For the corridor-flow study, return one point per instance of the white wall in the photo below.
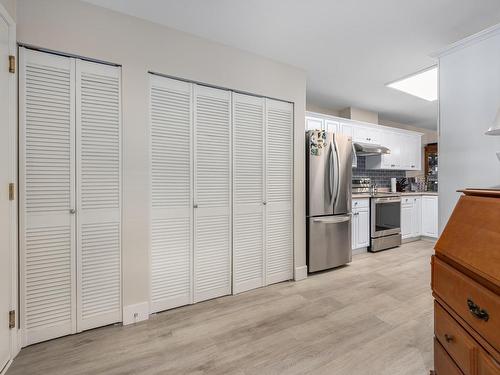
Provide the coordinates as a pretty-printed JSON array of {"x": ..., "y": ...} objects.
[
  {"x": 469, "y": 97},
  {"x": 78, "y": 28},
  {"x": 10, "y": 7}
]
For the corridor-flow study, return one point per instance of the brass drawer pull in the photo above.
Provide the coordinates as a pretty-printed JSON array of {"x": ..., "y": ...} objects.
[
  {"x": 479, "y": 313},
  {"x": 448, "y": 338}
]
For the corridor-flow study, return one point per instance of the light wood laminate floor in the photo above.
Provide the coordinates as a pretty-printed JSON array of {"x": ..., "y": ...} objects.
[{"x": 373, "y": 316}]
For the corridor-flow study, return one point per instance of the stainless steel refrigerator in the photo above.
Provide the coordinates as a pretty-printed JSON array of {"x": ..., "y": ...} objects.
[{"x": 329, "y": 170}]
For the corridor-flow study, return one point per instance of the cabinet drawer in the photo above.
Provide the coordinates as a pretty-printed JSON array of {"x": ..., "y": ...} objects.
[
  {"x": 443, "y": 364},
  {"x": 486, "y": 365},
  {"x": 478, "y": 306},
  {"x": 407, "y": 200},
  {"x": 360, "y": 203},
  {"x": 457, "y": 342}
]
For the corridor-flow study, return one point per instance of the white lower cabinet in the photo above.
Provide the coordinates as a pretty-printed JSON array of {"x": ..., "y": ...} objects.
[
  {"x": 419, "y": 216},
  {"x": 430, "y": 216},
  {"x": 360, "y": 223},
  {"x": 410, "y": 217}
]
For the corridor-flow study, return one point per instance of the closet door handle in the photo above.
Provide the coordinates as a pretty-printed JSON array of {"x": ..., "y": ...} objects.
[{"x": 72, "y": 211}]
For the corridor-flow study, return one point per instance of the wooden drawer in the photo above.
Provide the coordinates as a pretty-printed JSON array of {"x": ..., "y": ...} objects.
[
  {"x": 443, "y": 364},
  {"x": 486, "y": 365},
  {"x": 478, "y": 306},
  {"x": 457, "y": 342}
]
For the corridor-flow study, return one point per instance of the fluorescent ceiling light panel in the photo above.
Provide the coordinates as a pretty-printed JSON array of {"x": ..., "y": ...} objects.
[{"x": 422, "y": 84}]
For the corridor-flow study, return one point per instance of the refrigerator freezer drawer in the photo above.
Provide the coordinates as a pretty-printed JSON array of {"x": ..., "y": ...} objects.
[{"x": 329, "y": 242}]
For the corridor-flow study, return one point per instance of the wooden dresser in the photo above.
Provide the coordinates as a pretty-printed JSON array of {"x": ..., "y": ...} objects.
[{"x": 466, "y": 288}]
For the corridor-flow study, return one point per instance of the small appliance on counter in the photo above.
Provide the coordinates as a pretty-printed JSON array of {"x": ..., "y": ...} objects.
[
  {"x": 401, "y": 184},
  {"x": 328, "y": 204},
  {"x": 361, "y": 185}
]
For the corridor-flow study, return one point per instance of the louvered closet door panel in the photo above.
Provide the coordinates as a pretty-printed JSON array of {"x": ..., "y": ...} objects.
[
  {"x": 172, "y": 205},
  {"x": 248, "y": 192},
  {"x": 46, "y": 118},
  {"x": 212, "y": 230},
  {"x": 279, "y": 193},
  {"x": 98, "y": 162}
]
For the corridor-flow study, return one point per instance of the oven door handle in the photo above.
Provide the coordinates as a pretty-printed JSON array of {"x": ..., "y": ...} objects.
[{"x": 387, "y": 200}]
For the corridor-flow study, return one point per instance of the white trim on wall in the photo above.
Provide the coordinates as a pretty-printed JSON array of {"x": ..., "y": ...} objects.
[
  {"x": 15, "y": 333},
  {"x": 472, "y": 39}
]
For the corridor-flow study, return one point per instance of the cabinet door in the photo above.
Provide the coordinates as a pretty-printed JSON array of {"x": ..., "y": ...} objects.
[
  {"x": 279, "y": 191},
  {"x": 355, "y": 229},
  {"x": 392, "y": 141},
  {"x": 406, "y": 220},
  {"x": 248, "y": 193},
  {"x": 430, "y": 216},
  {"x": 98, "y": 165},
  {"x": 346, "y": 129},
  {"x": 212, "y": 194},
  {"x": 47, "y": 194},
  {"x": 365, "y": 134},
  {"x": 417, "y": 217},
  {"x": 363, "y": 232},
  {"x": 416, "y": 152},
  {"x": 171, "y": 193},
  {"x": 332, "y": 126},
  {"x": 314, "y": 123}
]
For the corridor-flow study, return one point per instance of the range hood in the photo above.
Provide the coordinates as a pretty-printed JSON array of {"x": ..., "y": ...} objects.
[{"x": 370, "y": 149}]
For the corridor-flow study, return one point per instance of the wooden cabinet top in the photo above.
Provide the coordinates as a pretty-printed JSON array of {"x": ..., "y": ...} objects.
[{"x": 471, "y": 237}]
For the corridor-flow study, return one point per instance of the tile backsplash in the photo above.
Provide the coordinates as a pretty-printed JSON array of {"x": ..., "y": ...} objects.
[{"x": 381, "y": 177}]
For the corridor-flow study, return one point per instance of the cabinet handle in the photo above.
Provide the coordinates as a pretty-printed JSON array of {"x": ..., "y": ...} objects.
[
  {"x": 478, "y": 312},
  {"x": 448, "y": 338}
]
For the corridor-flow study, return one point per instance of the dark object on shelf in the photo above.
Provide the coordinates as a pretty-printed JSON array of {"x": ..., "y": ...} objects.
[
  {"x": 431, "y": 166},
  {"x": 401, "y": 184}
]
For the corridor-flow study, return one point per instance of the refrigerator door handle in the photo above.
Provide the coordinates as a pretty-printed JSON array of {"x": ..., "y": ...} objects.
[
  {"x": 332, "y": 220},
  {"x": 330, "y": 172},
  {"x": 335, "y": 170}
]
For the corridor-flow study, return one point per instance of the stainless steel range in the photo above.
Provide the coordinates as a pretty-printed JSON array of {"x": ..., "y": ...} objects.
[{"x": 385, "y": 221}]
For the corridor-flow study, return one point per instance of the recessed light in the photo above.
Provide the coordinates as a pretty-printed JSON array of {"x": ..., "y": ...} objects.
[{"x": 422, "y": 84}]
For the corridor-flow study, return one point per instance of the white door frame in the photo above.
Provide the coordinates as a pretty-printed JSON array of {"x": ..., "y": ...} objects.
[{"x": 15, "y": 333}]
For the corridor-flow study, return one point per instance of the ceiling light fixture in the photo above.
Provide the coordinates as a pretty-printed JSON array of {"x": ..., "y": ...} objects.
[{"x": 422, "y": 84}]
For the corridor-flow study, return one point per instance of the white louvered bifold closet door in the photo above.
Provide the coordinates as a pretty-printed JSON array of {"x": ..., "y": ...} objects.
[
  {"x": 248, "y": 192},
  {"x": 171, "y": 189},
  {"x": 279, "y": 191},
  {"x": 47, "y": 232},
  {"x": 212, "y": 194},
  {"x": 98, "y": 163}
]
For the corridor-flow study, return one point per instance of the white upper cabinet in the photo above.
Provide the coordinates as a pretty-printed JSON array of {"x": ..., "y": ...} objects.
[
  {"x": 365, "y": 134},
  {"x": 346, "y": 129},
  {"x": 392, "y": 141},
  {"x": 405, "y": 145},
  {"x": 313, "y": 123},
  {"x": 332, "y": 126}
]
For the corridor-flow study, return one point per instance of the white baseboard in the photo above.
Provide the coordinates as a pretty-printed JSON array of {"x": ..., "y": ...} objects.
[
  {"x": 7, "y": 365},
  {"x": 361, "y": 250},
  {"x": 300, "y": 273},
  {"x": 135, "y": 313}
]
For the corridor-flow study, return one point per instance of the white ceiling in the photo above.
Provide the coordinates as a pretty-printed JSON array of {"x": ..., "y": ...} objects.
[{"x": 349, "y": 48}]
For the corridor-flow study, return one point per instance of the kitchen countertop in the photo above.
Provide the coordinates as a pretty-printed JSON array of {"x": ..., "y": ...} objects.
[{"x": 411, "y": 193}]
